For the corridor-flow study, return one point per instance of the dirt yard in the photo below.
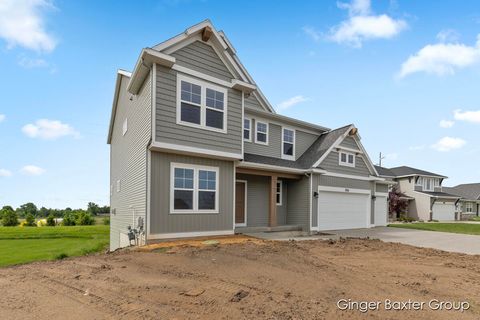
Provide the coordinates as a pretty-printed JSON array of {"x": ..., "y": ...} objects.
[{"x": 271, "y": 280}]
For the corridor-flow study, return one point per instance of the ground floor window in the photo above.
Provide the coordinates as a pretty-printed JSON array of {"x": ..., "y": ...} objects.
[
  {"x": 469, "y": 207},
  {"x": 279, "y": 193},
  {"x": 193, "y": 189}
]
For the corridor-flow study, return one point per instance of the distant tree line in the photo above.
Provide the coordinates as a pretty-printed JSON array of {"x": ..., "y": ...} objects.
[{"x": 30, "y": 212}]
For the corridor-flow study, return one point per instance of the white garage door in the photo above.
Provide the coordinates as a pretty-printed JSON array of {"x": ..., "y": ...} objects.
[
  {"x": 343, "y": 210},
  {"x": 443, "y": 211},
  {"x": 381, "y": 211}
]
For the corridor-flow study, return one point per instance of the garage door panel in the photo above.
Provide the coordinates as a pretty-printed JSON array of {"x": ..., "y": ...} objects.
[
  {"x": 443, "y": 211},
  {"x": 337, "y": 210}
]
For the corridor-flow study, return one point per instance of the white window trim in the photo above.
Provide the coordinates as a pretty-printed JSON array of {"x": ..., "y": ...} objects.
[
  {"x": 284, "y": 156},
  {"x": 469, "y": 207},
  {"x": 277, "y": 192},
  {"x": 125, "y": 126},
  {"x": 266, "y": 133},
  {"x": 249, "y": 130},
  {"x": 196, "y": 189},
  {"x": 203, "y": 103},
  {"x": 346, "y": 164}
]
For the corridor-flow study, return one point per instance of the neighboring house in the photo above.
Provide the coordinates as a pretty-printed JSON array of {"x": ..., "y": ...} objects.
[
  {"x": 197, "y": 150},
  {"x": 469, "y": 204},
  {"x": 423, "y": 190}
]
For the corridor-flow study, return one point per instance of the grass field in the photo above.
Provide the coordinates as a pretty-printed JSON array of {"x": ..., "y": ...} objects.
[
  {"x": 465, "y": 228},
  {"x": 26, "y": 244}
]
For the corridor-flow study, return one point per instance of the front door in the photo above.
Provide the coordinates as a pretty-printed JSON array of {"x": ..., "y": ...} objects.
[{"x": 240, "y": 203}]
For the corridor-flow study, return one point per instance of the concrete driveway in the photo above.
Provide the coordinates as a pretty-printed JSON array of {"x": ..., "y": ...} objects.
[{"x": 453, "y": 242}]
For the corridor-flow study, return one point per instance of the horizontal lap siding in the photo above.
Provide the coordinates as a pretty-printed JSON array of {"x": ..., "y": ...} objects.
[
  {"x": 202, "y": 58},
  {"x": 257, "y": 199},
  {"x": 128, "y": 159},
  {"x": 303, "y": 141},
  {"x": 167, "y": 129},
  {"x": 350, "y": 143},
  {"x": 330, "y": 163},
  {"x": 161, "y": 221},
  {"x": 299, "y": 198},
  {"x": 253, "y": 102},
  {"x": 382, "y": 188}
]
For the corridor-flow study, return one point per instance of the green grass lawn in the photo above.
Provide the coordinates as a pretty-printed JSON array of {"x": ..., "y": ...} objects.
[
  {"x": 464, "y": 228},
  {"x": 27, "y": 244}
]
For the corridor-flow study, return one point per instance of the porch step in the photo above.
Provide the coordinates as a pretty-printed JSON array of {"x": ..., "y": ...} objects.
[{"x": 268, "y": 229}]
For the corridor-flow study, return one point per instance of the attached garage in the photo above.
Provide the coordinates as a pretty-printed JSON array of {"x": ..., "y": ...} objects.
[
  {"x": 343, "y": 208},
  {"x": 380, "y": 210},
  {"x": 443, "y": 211}
]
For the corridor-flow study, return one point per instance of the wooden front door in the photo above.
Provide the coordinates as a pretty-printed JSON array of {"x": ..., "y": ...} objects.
[{"x": 240, "y": 208}]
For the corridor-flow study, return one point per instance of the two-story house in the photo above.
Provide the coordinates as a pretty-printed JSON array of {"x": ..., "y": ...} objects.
[
  {"x": 426, "y": 198},
  {"x": 197, "y": 150}
]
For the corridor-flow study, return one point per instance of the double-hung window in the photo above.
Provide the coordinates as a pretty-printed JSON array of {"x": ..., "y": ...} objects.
[
  {"x": 469, "y": 207},
  {"x": 428, "y": 184},
  {"x": 247, "y": 129},
  {"x": 346, "y": 159},
  {"x": 261, "y": 134},
  {"x": 201, "y": 104},
  {"x": 288, "y": 144},
  {"x": 193, "y": 189}
]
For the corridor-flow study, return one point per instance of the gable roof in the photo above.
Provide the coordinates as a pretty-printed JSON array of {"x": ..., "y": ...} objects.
[
  {"x": 120, "y": 73},
  {"x": 469, "y": 191},
  {"x": 405, "y": 171},
  {"x": 384, "y": 171}
]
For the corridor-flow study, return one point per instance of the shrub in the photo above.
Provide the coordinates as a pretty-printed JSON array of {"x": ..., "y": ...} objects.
[
  {"x": 106, "y": 221},
  {"x": 30, "y": 220},
  {"x": 51, "y": 220},
  {"x": 9, "y": 217},
  {"x": 475, "y": 219},
  {"x": 69, "y": 219},
  {"x": 84, "y": 219},
  {"x": 61, "y": 256}
]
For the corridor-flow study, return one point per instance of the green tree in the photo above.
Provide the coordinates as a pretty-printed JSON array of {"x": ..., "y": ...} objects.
[
  {"x": 30, "y": 220},
  {"x": 93, "y": 208},
  {"x": 27, "y": 208},
  {"x": 84, "y": 219},
  {"x": 9, "y": 217},
  {"x": 69, "y": 218},
  {"x": 43, "y": 212},
  {"x": 51, "y": 220}
]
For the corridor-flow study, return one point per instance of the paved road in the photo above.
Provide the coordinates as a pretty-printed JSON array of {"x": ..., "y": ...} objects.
[{"x": 461, "y": 243}]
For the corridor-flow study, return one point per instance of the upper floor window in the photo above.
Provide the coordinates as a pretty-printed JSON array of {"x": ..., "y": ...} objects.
[
  {"x": 428, "y": 184},
  {"x": 201, "y": 104},
  {"x": 194, "y": 189},
  {"x": 288, "y": 144},
  {"x": 346, "y": 159},
  {"x": 261, "y": 134},
  {"x": 247, "y": 129}
]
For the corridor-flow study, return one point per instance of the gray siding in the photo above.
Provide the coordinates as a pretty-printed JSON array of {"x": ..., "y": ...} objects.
[
  {"x": 128, "y": 160},
  {"x": 299, "y": 198},
  {"x": 382, "y": 188},
  {"x": 316, "y": 180},
  {"x": 253, "y": 102},
  {"x": 167, "y": 129},
  {"x": 257, "y": 199},
  {"x": 303, "y": 140},
  {"x": 201, "y": 57},
  {"x": 350, "y": 143},
  {"x": 161, "y": 221},
  {"x": 282, "y": 210},
  {"x": 330, "y": 163}
]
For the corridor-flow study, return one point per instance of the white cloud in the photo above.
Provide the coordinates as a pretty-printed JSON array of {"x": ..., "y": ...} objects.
[
  {"x": 312, "y": 33},
  {"x": 469, "y": 116},
  {"x": 2, "y": 117},
  {"x": 446, "y": 123},
  {"x": 442, "y": 58},
  {"x": 49, "y": 130},
  {"x": 448, "y": 144},
  {"x": 291, "y": 102},
  {"x": 29, "y": 63},
  {"x": 5, "y": 173},
  {"x": 31, "y": 170},
  {"x": 448, "y": 35},
  {"x": 22, "y": 23},
  {"x": 416, "y": 148},
  {"x": 362, "y": 25}
]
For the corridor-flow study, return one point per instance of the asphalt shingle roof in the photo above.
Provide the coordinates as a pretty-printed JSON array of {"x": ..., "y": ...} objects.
[
  {"x": 440, "y": 194},
  {"x": 384, "y": 171},
  {"x": 470, "y": 191},
  {"x": 407, "y": 171}
]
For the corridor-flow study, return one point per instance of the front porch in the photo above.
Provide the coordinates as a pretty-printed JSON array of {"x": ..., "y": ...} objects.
[{"x": 268, "y": 201}]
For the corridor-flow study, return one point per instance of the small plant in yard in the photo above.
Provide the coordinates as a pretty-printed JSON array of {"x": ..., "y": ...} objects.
[
  {"x": 69, "y": 219},
  {"x": 475, "y": 219},
  {"x": 51, "y": 220},
  {"x": 61, "y": 256},
  {"x": 84, "y": 219},
  {"x": 397, "y": 206},
  {"x": 30, "y": 220},
  {"x": 9, "y": 217},
  {"x": 106, "y": 221}
]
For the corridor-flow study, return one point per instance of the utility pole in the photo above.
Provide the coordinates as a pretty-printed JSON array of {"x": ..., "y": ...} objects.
[{"x": 380, "y": 158}]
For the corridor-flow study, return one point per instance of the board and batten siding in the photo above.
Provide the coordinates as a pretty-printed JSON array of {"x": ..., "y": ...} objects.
[
  {"x": 128, "y": 161},
  {"x": 299, "y": 198},
  {"x": 303, "y": 140},
  {"x": 168, "y": 131},
  {"x": 201, "y": 57},
  {"x": 350, "y": 143},
  {"x": 330, "y": 163},
  {"x": 162, "y": 221}
]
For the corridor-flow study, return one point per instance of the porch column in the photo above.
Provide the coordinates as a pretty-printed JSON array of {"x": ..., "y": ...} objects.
[{"x": 272, "y": 212}]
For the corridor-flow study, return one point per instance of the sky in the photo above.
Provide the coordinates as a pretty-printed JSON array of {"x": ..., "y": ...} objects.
[{"x": 406, "y": 73}]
